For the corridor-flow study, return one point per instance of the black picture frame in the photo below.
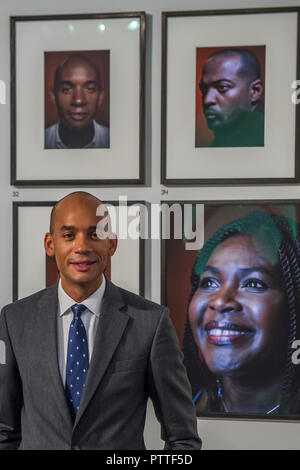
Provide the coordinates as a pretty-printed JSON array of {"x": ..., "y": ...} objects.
[
  {"x": 193, "y": 172},
  {"x": 136, "y": 176},
  {"x": 177, "y": 264},
  {"x": 41, "y": 264}
]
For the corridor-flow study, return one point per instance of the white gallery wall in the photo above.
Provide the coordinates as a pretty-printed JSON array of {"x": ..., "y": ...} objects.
[{"x": 216, "y": 434}]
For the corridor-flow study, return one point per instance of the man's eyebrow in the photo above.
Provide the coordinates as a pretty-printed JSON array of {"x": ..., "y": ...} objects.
[
  {"x": 222, "y": 80},
  {"x": 67, "y": 227},
  {"x": 66, "y": 82},
  {"x": 71, "y": 84},
  {"x": 93, "y": 83},
  {"x": 216, "y": 82}
]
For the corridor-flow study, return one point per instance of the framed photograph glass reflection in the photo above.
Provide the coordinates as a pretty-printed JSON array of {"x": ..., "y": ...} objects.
[
  {"x": 31, "y": 222},
  {"x": 228, "y": 103},
  {"x": 73, "y": 119},
  {"x": 230, "y": 276}
]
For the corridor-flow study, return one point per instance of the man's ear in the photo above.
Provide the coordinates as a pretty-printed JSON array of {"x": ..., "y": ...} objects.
[
  {"x": 256, "y": 91},
  {"x": 48, "y": 244},
  {"x": 113, "y": 243},
  {"x": 101, "y": 98},
  {"x": 52, "y": 97}
]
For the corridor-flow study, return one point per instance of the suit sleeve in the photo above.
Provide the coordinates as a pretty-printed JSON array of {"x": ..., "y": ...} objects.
[
  {"x": 170, "y": 389},
  {"x": 11, "y": 397}
]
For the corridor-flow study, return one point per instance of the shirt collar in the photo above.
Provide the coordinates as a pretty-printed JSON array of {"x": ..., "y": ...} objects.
[
  {"x": 60, "y": 144},
  {"x": 92, "y": 303}
]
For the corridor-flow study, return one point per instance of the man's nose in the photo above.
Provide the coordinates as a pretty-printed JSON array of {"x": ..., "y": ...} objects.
[
  {"x": 78, "y": 96},
  {"x": 81, "y": 243},
  {"x": 209, "y": 97},
  {"x": 225, "y": 300}
]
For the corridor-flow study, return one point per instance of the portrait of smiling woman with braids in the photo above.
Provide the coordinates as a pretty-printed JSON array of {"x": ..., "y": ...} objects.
[{"x": 242, "y": 319}]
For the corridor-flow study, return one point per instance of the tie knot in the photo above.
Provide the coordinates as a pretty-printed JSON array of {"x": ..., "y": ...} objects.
[{"x": 78, "y": 309}]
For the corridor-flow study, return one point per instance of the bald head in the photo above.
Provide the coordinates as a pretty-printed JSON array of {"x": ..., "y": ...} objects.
[
  {"x": 80, "y": 197},
  {"x": 73, "y": 62},
  {"x": 248, "y": 65}
]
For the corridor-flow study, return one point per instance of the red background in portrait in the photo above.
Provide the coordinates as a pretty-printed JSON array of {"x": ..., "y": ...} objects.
[
  {"x": 53, "y": 59},
  {"x": 204, "y": 135}
]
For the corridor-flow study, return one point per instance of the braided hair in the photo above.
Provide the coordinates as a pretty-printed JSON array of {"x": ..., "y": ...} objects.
[{"x": 282, "y": 235}]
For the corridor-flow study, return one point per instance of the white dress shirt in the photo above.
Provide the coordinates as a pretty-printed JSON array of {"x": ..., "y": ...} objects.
[{"x": 90, "y": 319}]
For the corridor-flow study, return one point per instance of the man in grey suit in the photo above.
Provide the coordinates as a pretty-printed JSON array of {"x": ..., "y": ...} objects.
[{"x": 83, "y": 356}]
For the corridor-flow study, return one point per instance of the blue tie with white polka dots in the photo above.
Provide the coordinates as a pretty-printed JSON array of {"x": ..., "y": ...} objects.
[{"x": 77, "y": 359}]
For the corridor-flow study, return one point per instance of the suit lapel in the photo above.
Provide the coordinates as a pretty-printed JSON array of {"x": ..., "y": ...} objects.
[
  {"x": 47, "y": 312},
  {"x": 112, "y": 323}
]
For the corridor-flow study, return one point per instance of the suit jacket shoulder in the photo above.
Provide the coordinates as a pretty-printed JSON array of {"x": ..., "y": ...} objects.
[
  {"x": 31, "y": 299},
  {"x": 22, "y": 313},
  {"x": 145, "y": 312}
]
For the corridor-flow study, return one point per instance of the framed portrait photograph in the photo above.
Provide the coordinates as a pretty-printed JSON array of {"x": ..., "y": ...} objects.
[
  {"x": 230, "y": 277},
  {"x": 30, "y": 224},
  {"x": 228, "y": 103},
  {"x": 73, "y": 120},
  {"x": 64, "y": 119}
]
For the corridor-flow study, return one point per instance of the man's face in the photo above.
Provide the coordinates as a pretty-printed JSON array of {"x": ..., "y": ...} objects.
[
  {"x": 77, "y": 96},
  {"x": 225, "y": 93},
  {"x": 81, "y": 256}
]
